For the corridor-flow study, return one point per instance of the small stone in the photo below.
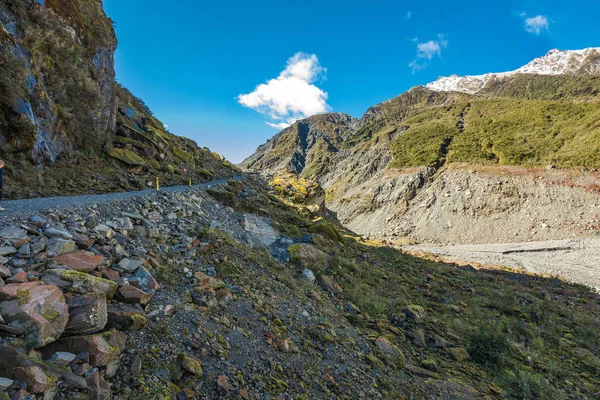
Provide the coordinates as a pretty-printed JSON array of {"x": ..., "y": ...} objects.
[
  {"x": 440, "y": 341},
  {"x": 5, "y": 272},
  {"x": 5, "y": 383},
  {"x": 21, "y": 277},
  {"x": 308, "y": 275},
  {"x": 154, "y": 216},
  {"x": 223, "y": 385},
  {"x": 190, "y": 364},
  {"x": 104, "y": 231},
  {"x": 329, "y": 285},
  {"x": 123, "y": 224},
  {"x": 16, "y": 236},
  {"x": 430, "y": 365},
  {"x": 57, "y": 247},
  {"x": 39, "y": 244},
  {"x": 415, "y": 312},
  {"x": 131, "y": 294},
  {"x": 62, "y": 358},
  {"x": 129, "y": 265},
  {"x": 459, "y": 353},
  {"x": 58, "y": 233},
  {"x": 136, "y": 366},
  {"x": 136, "y": 217},
  {"x": 37, "y": 221},
  {"x": 419, "y": 338},
  {"x": 7, "y": 250},
  {"x": 147, "y": 281}
]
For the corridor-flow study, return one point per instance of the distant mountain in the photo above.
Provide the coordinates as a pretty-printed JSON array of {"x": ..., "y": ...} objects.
[
  {"x": 390, "y": 173},
  {"x": 61, "y": 108},
  {"x": 556, "y": 62}
]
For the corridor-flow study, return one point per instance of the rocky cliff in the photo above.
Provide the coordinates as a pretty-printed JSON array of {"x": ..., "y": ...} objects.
[
  {"x": 60, "y": 106},
  {"x": 519, "y": 153}
]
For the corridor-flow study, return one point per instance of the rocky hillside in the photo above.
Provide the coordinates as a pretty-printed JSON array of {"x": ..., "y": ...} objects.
[
  {"x": 519, "y": 153},
  {"x": 185, "y": 296},
  {"x": 61, "y": 108},
  {"x": 306, "y": 147}
]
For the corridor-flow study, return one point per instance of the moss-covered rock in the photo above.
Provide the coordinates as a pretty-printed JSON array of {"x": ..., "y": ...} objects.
[{"x": 126, "y": 156}]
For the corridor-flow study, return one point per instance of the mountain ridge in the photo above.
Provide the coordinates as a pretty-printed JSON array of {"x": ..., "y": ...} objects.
[{"x": 389, "y": 174}]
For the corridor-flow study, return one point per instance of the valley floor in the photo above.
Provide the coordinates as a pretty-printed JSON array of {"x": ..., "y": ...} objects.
[{"x": 575, "y": 260}]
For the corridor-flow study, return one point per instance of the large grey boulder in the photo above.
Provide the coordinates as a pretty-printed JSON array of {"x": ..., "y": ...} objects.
[{"x": 38, "y": 309}]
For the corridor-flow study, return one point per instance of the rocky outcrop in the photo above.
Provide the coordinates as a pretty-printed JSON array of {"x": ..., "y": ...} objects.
[
  {"x": 39, "y": 310},
  {"x": 61, "y": 106}
]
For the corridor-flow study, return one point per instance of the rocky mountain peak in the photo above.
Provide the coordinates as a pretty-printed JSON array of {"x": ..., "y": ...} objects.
[{"x": 555, "y": 62}]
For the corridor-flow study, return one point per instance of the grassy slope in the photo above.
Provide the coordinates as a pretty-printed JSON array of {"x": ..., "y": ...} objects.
[{"x": 528, "y": 337}]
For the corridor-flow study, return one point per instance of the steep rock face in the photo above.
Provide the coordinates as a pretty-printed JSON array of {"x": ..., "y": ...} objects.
[
  {"x": 443, "y": 166},
  {"x": 305, "y": 147},
  {"x": 61, "y": 107},
  {"x": 63, "y": 51}
]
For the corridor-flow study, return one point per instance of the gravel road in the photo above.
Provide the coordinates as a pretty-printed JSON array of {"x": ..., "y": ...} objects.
[
  {"x": 574, "y": 260},
  {"x": 22, "y": 208}
]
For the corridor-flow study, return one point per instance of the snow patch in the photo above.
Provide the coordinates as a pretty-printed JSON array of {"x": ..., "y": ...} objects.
[{"x": 555, "y": 62}]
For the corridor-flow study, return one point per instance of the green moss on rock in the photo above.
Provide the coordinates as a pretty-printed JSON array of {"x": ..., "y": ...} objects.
[{"x": 126, "y": 156}]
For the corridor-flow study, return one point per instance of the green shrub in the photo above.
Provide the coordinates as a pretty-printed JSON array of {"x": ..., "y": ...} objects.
[
  {"x": 530, "y": 386},
  {"x": 489, "y": 345}
]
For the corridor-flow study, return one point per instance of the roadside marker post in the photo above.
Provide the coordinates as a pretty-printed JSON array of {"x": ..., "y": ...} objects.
[{"x": 157, "y": 185}]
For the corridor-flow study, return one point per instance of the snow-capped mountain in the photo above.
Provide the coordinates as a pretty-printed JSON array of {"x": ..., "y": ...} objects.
[{"x": 556, "y": 62}]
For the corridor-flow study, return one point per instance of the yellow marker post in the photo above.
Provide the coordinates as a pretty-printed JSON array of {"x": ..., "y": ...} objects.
[
  {"x": 190, "y": 181},
  {"x": 157, "y": 186}
]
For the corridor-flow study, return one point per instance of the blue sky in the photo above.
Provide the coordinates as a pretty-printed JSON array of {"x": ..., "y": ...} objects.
[{"x": 190, "y": 60}]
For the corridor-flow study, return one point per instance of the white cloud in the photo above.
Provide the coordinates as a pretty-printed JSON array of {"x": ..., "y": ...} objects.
[
  {"x": 427, "y": 51},
  {"x": 292, "y": 95},
  {"x": 537, "y": 24}
]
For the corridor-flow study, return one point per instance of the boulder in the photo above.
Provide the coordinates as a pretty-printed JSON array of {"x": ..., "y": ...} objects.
[
  {"x": 125, "y": 318},
  {"x": 39, "y": 309},
  {"x": 57, "y": 233},
  {"x": 5, "y": 272},
  {"x": 308, "y": 275},
  {"x": 104, "y": 231},
  {"x": 36, "y": 373},
  {"x": 306, "y": 255},
  {"x": 131, "y": 294},
  {"x": 147, "y": 281},
  {"x": 58, "y": 246},
  {"x": 190, "y": 364},
  {"x": 79, "y": 282},
  {"x": 459, "y": 353},
  {"x": 100, "y": 350},
  {"x": 87, "y": 314},
  {"x": 98, "y": 387},
  {"x": 390, "y": 353},
  {"x": 129, "y": 265},
  {"x": 62, "y": 358},
  {"x": 34, "y": 377},
  {"x": 328, "y": 284},
  {"x": 15, "y": 235},
  {"x": 83, "y": 261},
  {"x": 7, "y": 250},
  {"x": 39, "y": 244}
]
